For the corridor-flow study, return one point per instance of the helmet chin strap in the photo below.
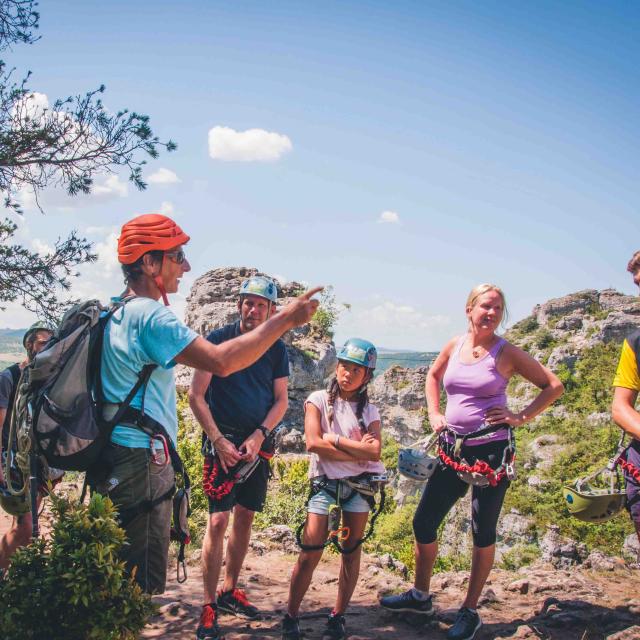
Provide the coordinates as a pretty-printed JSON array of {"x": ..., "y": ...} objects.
[{"x": 163, "y": 291}]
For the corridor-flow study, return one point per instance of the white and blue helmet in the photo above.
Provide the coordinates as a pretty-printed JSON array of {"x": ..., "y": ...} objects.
[
  {"x": 360, "y": 352},
  {"x": 260, "y": 286}
]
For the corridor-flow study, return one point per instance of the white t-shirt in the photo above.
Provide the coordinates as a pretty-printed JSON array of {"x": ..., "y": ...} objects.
[{"x": 345, "y": 423}]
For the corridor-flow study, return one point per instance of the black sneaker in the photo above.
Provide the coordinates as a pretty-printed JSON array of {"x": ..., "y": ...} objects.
[
  {"x": 291, "y": 628},
  {"x": 407, "y": 602},
  {"x": 236, "y": 602},
  {"x": 208, "y": 628},
  {"x": 465, "y": 626},
  {"x": 335, "y": 628}
]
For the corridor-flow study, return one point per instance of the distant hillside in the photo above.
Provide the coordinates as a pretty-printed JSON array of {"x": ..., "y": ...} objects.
[
  {"x": 409, "y": 359},
  {"x": 11, "y": 350}
]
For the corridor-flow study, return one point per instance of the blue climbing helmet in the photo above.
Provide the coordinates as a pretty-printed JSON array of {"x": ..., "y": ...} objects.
[
  {"x": 260, "y": 286},
  {"x": 360, "y": 352}
]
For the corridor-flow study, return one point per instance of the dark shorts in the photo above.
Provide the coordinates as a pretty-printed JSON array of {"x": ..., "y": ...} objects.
[
  {"x": 251, "y": 494},
  {"x": 133, "y": 479},
  {"x": 631, "y": 484}
]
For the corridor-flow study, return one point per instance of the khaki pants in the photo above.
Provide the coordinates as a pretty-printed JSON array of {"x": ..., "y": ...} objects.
[{"x": 135, "y": 479}]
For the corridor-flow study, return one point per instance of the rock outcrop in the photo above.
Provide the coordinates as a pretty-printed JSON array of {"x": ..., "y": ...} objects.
[
  {"x": 575, "y": 322},
  {"x": 399, "y": 395},
  {"x": 213, "y": 302}
]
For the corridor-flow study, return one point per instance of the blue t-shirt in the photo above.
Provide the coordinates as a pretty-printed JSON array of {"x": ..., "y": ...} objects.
[
  {"x": 243, "y": 399},
  {"x": 143, "y": 332}
]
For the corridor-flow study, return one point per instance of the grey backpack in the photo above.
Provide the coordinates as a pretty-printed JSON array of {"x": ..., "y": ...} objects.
[{"x": 64, "y": 390}]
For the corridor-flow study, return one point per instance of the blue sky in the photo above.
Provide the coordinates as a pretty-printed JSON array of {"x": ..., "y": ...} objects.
[{"x": 420, "y": 147}]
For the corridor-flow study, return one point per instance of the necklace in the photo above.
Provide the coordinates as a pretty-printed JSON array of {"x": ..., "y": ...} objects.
[{"x": 475, "y": 352}]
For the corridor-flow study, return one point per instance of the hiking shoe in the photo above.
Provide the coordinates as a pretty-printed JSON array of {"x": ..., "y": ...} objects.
[
  {"x": 208, "y": 628},
  {"x": 236, "y": 602},
  {"x": 407, "y": 602},
  {"x": 291, "y": 628},
  {"x": 466, "y": 624},
  {"x": 335, "y": 628}
]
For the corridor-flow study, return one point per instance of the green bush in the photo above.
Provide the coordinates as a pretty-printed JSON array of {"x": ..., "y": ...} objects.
[
  {"x": 520, "y": 556},
  {"x": 74, "y": 586},
  {"x": 288, "y": 493},
  {"x": 394, "y": 533},
  {"x": 389, "y": 452}
]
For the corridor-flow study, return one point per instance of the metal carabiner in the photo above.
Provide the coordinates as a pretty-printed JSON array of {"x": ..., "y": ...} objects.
[
  {"x": 510, "y": 471},
  {"x": 155, "y": 458}
]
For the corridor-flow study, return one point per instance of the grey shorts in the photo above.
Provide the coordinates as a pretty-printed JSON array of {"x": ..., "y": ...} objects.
[{"x": 321, "y": 502}]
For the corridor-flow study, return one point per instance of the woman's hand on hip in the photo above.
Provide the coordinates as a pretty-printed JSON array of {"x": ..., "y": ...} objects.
[{"x": 499, "y": 415}]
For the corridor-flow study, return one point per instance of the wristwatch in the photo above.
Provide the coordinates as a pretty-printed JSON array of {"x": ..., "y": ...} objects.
[{"x": 264, "y": 430}]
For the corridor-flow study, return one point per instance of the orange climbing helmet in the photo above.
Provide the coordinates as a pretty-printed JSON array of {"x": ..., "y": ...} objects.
[{"x": 149, "y": 232}]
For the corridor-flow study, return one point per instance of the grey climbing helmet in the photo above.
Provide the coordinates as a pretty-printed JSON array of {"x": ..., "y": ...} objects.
[{"x": 419, "y": 464}]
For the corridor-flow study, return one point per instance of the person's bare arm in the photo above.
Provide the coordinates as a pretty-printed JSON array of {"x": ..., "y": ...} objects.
[
  {"x": 624, "y": 412},
  {"x": 518, "y": 361},
  {"x": 314, "y": 440},
  {"x": 369, "y": 448},
  {"x": 226, "y": 450},
  {"x": 432, "y": 386},
  {"x": 237, "y": 354}
]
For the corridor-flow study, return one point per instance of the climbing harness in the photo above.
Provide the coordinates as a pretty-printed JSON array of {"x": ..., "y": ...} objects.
[
  {"x": 480, "y": 473},
  {"x": 368, "y": 485},
  {"x": 418, "y": 464},
  {"x": 238, "y": 474}
]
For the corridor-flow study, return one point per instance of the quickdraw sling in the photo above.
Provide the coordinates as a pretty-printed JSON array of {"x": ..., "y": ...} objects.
[
  {"x": 367, "y": 485},
  {"x": 240, "y": 473},
  {"x": 480, "y": 473}
]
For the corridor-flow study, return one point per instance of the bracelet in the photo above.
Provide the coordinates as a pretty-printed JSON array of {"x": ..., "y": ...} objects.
[
  {"x": 263, "y": 430},
  {"x": 213, "y": 442}
]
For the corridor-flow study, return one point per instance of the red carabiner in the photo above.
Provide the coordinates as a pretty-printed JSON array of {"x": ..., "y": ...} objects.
[{"x": 154, "y": 452}]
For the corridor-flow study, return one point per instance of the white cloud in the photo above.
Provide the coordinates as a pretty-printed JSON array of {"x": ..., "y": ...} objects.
[
  {"x": 390, "y": 217},
  {"x": 32, "y": 106},
  {"x": 394, "y": 325},
  {"x": 167, "y": 209},
  {"x": 253, "y": 145},
  {"x": 41, "y": 247},
  {"x": 163, "y": 176},
  {"x": 111, "y": 187},
  {"x": 108, "y": 254}
]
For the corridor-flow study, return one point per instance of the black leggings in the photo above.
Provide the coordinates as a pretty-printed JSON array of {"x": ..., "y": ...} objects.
[{"x": 444, "y": 489}]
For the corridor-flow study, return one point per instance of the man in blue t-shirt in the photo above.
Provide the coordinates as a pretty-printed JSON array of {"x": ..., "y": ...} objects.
[{"x": 237, "y": 413}]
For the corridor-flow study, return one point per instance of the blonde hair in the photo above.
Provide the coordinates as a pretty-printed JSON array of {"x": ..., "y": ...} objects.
[
  {"x": 480, "y": 290},
  {"x": 634, "y": 263}
]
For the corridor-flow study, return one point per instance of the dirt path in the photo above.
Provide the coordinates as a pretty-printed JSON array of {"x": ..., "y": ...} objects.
[
  {"x": 562, "y": 605},
  {"x": 536, "y": 602}
]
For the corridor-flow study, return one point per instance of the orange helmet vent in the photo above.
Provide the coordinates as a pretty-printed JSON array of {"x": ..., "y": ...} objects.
[{"x": 149, "y": 232}]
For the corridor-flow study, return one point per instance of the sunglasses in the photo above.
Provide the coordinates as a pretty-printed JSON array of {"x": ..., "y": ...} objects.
[{"x": 177, "y": 256}]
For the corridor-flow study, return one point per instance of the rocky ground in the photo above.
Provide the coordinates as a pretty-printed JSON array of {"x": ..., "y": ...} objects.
[{"x": 535, "y": 602}]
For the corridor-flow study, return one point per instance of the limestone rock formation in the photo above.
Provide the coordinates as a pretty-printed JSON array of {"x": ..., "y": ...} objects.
[
  {"x": 212, "y": 303},
  {"x": 562, "y": 327},
  {"x": 399, "y": 395}
]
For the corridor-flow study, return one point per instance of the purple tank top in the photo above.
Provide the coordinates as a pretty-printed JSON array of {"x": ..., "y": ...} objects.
[{"x": 472, "y": 389}]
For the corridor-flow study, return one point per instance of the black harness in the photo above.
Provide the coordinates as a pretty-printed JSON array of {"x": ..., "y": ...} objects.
[{"x": 365, "y": 484}]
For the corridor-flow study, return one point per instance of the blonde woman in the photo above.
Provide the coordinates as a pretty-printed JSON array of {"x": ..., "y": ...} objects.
[{"x": 474, "y": 369}]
